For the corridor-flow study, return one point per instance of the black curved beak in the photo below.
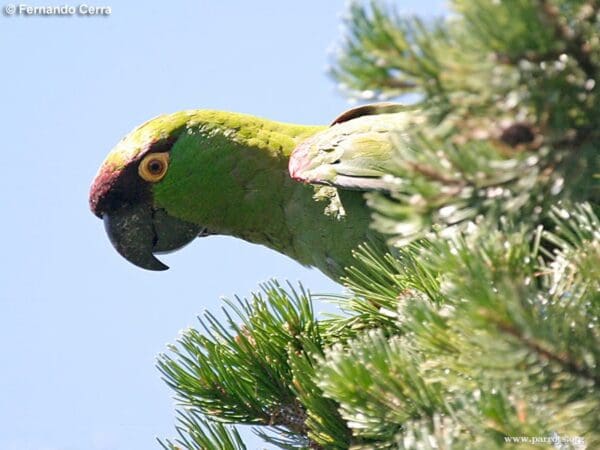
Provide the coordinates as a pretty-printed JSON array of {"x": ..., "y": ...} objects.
[{"x": 137, "y": 232}]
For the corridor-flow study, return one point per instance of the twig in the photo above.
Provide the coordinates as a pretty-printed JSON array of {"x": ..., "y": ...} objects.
[
  {"x": 293, "y": 417},
  {"x": 433, "y": 174},
  {"x": 576, "y": 44},
  {"x": 561, "y": 359}
]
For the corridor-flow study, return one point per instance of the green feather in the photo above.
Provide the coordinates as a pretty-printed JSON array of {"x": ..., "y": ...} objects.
[
  {"x": 357, "y": 150},
  {"x": 228, "y": 174}
]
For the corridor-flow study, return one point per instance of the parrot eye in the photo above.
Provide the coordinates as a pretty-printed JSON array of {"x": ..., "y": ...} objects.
[{"x": 154, "y": 167}]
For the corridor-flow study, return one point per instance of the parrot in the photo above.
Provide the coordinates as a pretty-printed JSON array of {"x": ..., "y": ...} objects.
[{"x": 297, "y": 189}]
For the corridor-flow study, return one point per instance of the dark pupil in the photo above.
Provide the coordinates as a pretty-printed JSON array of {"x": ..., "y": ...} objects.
[{"x": 155, "y": 167}]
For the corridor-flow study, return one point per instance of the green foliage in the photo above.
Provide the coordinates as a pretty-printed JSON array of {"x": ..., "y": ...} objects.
[
  {"x": 259, "y": 371},
  {"x": 481, "y": 324},
  {"x": 490, "y": 59},
  {"x": 510, "y": 92},
  {"x": 512, "y": 102},
  {"x": 199, "y": 433},
  {"x": 511, "y": 350},
  {"x": 378, "y": 385}
]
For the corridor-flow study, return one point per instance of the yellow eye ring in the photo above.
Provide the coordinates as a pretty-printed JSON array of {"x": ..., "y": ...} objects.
[{"x": 154, "y": 167}]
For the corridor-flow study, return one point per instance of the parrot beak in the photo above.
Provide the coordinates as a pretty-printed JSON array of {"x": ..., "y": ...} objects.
[{"x": 137, "y": 232}]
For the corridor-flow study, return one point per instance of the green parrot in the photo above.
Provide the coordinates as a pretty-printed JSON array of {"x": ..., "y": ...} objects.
[{"x": 296, "y": 189}]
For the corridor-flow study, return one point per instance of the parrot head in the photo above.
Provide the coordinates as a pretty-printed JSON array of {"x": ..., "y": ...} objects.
[{"x": 122, "y": 194}]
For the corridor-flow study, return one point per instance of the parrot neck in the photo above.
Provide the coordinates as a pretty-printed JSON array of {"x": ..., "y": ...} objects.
[{"x": 229, "y": 173}]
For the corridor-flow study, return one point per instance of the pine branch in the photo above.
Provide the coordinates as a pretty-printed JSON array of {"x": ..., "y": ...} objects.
[
  {"x": 456, "y": 165},
  {"x": 292, "y": 416},
  {"x": 247, "y": 372},
  {"x": 197, "y": 433},
  {"x": 560, "y": 358},
  {"x": 576, "y": 44},
  {"x": 502, "y": 327}
]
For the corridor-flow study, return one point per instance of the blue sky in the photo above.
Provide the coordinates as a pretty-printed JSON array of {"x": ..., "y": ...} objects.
[{"x": 80, "y": 326}]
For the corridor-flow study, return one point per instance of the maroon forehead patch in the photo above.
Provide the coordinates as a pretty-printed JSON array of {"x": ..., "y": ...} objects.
[
  {"x": 105, "y": 179},
  {"x": 114, "y": 186}
]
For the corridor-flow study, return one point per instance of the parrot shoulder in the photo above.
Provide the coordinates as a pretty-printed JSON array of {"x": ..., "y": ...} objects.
[{"x": 355, "y": 151}]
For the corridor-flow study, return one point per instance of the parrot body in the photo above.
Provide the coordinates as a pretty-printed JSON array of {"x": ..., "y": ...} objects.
[{"x": 201, "y": 172}]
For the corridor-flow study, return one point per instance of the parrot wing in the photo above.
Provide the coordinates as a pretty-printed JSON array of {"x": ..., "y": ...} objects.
[{"x": 355, "y": 151}]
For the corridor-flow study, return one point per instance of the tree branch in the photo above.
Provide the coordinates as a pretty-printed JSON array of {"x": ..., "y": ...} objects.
[
  {"x": 561, "y": 359},
  {"x": 575, "y": 42}
]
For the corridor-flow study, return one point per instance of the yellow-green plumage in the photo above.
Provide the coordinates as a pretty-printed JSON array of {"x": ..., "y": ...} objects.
[{"x": 228, "y": 173}]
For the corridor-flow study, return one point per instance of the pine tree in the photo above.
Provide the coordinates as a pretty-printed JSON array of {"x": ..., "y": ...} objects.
[{"x": 480, "y": 328}]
